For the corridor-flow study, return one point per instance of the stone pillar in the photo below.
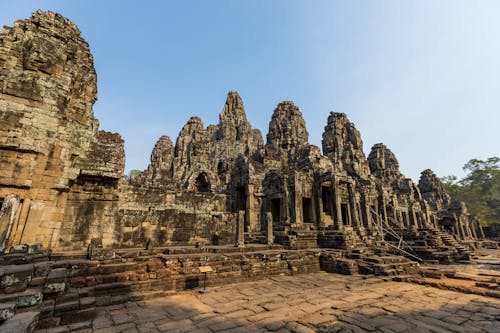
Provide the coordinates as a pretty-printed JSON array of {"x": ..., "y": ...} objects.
[
  {"x": 23, "y": 217},
  {"x": 269, "y": 228},
  {"x": 480, "y": 227},
  {"x": 473, "y": 228},
  {"x": 251, "y": 216},
  {"x": 460, "y": 227},
  {"x": 375, "y": 220},
  {"x": 285, "y": 214},
  {"x": 412, "y": 217},
  {"x": 467, "y": 232},
  {"x": 240, "y": 229},
  {"x": 426, "y": 216},
  {"x": 434, "y": 222},
  {"x": 353, "y": 209},
  {"x": 365, "y": 211},
  {"x": 398, "y": 218},
  {"x": 8, "y": 215},
  {"x": 339, "y": 224},
  {"x": 383, "y": 204}
]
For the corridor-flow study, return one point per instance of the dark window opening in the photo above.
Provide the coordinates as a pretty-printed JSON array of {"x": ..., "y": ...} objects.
[
  {"x": 345, "y": 214},
  {"x": 241, "y": 199},
  {"x": 202, "y": 183},
  {"x": 276, "y": 210},
  {"x": 222, "y": 170},
  {"x": 326, "y": 198},
  {"x": 307, "y": 210},
  {"x": 405, "y": 218}
]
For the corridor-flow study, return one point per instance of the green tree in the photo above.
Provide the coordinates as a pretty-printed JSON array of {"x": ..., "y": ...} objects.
[{"x": 479, "y": 189}]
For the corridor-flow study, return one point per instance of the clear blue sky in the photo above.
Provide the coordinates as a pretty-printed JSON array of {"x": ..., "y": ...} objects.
[{"x": 421, "y": 76}]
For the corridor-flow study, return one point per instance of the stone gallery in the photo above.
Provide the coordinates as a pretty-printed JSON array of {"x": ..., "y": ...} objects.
[{"x": 217, "y": 188}]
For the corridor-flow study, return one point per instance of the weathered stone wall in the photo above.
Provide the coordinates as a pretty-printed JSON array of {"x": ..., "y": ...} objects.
[
  {"x": 47, "y": 127},
  {"x": 161, "y": 218}
]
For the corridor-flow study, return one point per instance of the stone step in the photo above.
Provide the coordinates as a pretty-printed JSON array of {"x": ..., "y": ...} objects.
[
  {"x": 7, "y": 310},
  {"x": 15, "y": 274},
  {"x": 24, "y": 322},
  {"x": 29, "y": 297},
  {"x": 56, "y": 281}
]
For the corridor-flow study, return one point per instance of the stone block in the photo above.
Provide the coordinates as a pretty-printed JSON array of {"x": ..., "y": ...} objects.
[
  {"x": 7, "y": 310},
  {"x": 24, "y": 322},
  {"x": 14, "y": 274},
  {"x": 29, "y": 297}
]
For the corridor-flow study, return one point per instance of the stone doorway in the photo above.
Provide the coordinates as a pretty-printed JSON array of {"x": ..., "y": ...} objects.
[
  {"x": 276, "y": 210},
  {"x": 404, "y": 216},
  {"x": 344, "y": 209},
  {"x": 241, "y": 198},
  {"x": 307, "y": 210},
  {"x": 326, "y": 199}
]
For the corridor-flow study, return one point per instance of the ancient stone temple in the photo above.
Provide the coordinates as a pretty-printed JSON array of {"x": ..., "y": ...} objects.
[
  {"x": 76, "y": 235},
  {"x": 62, "y": 184}
]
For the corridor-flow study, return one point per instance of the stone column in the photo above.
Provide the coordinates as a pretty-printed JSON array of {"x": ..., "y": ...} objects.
[
  {"x": 480, "y": 227},
  {"x": 412, "y": 217},
  {"x": 427, "y": 216},
  {"x": 353, "y": 208},
  {"x": 269, "y": 228},
  {"x": 375, "y": 220},
  {"x": 8, "y": 215},
  {"x": 460, "y": 227},
  {"x": 240, "y": 229},
  {"x": 383, "y": 204},
  {"x": 285, "y": 214},
  {"x": 252, "y": 220},
  {"x": 396, "y": 213},
  {"x": 473, "y": 228},
  {"x": 23, "y": 217},
  {"x": 336, "y": 196},
  {"x": 469, "y": 228},
  {"x": 365, "y": 211}
]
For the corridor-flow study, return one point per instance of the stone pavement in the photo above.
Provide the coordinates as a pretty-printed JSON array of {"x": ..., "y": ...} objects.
[{"x": 318, "y": 302}]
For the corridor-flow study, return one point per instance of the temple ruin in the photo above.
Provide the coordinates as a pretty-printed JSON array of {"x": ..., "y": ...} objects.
[
  {"x": 62, "y": 185},
  {"x": 62, "y": 182}
]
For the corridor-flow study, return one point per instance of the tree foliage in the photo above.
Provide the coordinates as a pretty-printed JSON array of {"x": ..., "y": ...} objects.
[{"x": 479, "y": 189}]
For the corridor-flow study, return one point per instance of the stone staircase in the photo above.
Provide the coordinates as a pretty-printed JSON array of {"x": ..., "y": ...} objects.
[
  {"x": 25, "y": 278},
  {"x": 43, "y": 289},
  {"x": 346, "y": 239},
  {"x": 367, "y": 261},
  {"x": 296, "y": 239},
  {"x": 255, "y": 237},
  {"x": 434, "y": 245}
]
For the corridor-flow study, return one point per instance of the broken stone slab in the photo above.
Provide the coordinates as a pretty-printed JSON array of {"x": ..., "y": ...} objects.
[
  {"x": 56, "y": 281},
  {"x": 24, "y": 322},
  {"x": 14, "y": 274},
  {"x": 7, "y": 310}
]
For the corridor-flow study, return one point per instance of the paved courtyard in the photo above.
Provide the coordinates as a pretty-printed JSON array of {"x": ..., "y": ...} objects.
[{"x": 319, "y": 302}]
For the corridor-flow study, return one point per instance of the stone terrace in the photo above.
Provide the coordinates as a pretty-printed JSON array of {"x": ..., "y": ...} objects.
[{"x": 318, "y": 302}]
